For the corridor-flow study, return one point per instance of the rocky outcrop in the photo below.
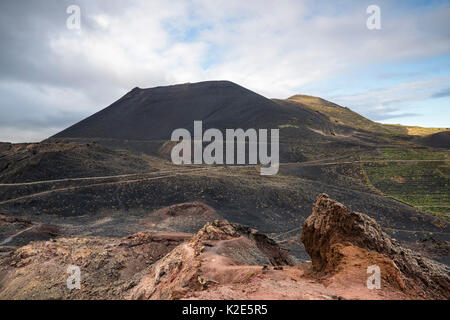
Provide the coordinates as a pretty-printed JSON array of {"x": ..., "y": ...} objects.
[
  {"x": 224, "y": 230},
  {"x": 219, "y": 254},
  {"x": 332, "y": 231}
]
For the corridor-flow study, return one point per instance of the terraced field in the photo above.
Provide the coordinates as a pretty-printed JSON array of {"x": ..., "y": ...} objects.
[{"x": 420, "y": 178}]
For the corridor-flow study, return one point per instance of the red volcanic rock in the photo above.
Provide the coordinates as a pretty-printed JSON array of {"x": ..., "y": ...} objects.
[
  {"x": 108, "y": 266},
  {"x": 332, "y": 229},
  {"x": 219, "y": 254},
  {"x": 224, "y": 230}
]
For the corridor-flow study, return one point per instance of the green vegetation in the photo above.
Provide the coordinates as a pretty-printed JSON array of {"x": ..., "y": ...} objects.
[
  {"x": 413, "y": 154},
  {"x": 422, "y": 184}
]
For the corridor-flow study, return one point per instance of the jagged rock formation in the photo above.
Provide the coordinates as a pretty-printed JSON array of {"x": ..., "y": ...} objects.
[
  {"x": 267, "y": 249},
  {"x": 332, "y": 230},
  {"x": 210, "y": 258}
]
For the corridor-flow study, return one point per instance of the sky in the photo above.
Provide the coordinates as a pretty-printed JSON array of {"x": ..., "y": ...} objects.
[{"x": 52, "y": 76}]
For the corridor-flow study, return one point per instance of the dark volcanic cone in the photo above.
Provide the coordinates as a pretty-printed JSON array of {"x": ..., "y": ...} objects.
[{"x": 152, "y": 114}]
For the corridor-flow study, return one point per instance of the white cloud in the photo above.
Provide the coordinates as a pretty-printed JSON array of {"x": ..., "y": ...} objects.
[
  {"x": 274, "y": 48},
  {"x": 394, "y": 101}
]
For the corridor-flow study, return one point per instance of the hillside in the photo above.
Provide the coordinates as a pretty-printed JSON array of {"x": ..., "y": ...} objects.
[
  {"x": 437, "y": 140},
  {"x": 56, "y": 160},
  {"x": 344, "y": 116},
  {"x": 338, "y": 115}
]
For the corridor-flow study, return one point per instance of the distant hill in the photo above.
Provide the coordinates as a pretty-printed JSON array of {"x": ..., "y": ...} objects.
[
  {"x": 437, "y": 140},
  {"x": 144, "y": 118},
  {"x": 342, "y": 115},
  {"x": 336, "y": 113}
]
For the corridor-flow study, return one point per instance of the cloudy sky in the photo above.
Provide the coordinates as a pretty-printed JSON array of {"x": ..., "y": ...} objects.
[{"x": 52, "y": 76}]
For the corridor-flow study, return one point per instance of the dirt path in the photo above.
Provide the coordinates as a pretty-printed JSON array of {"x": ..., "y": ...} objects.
[
  {"x": 38, "y": 194},
  {"x": 10, "y": 238},
  {"x": 287, "y": 232},
  {"x": 93, "y": 178}
]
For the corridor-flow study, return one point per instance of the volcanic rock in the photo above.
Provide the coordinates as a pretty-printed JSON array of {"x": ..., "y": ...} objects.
[
  {"x": 333, "y": 233},
  {"x": 224, "y": 230},
  {"x": 108, "y": 267}
]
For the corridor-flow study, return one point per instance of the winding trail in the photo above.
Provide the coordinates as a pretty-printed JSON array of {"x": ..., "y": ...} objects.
[
  {"x": 166, "y": 175},
  {"x": 94, "y": 178},
  {"x": 10, "y": 238}
]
